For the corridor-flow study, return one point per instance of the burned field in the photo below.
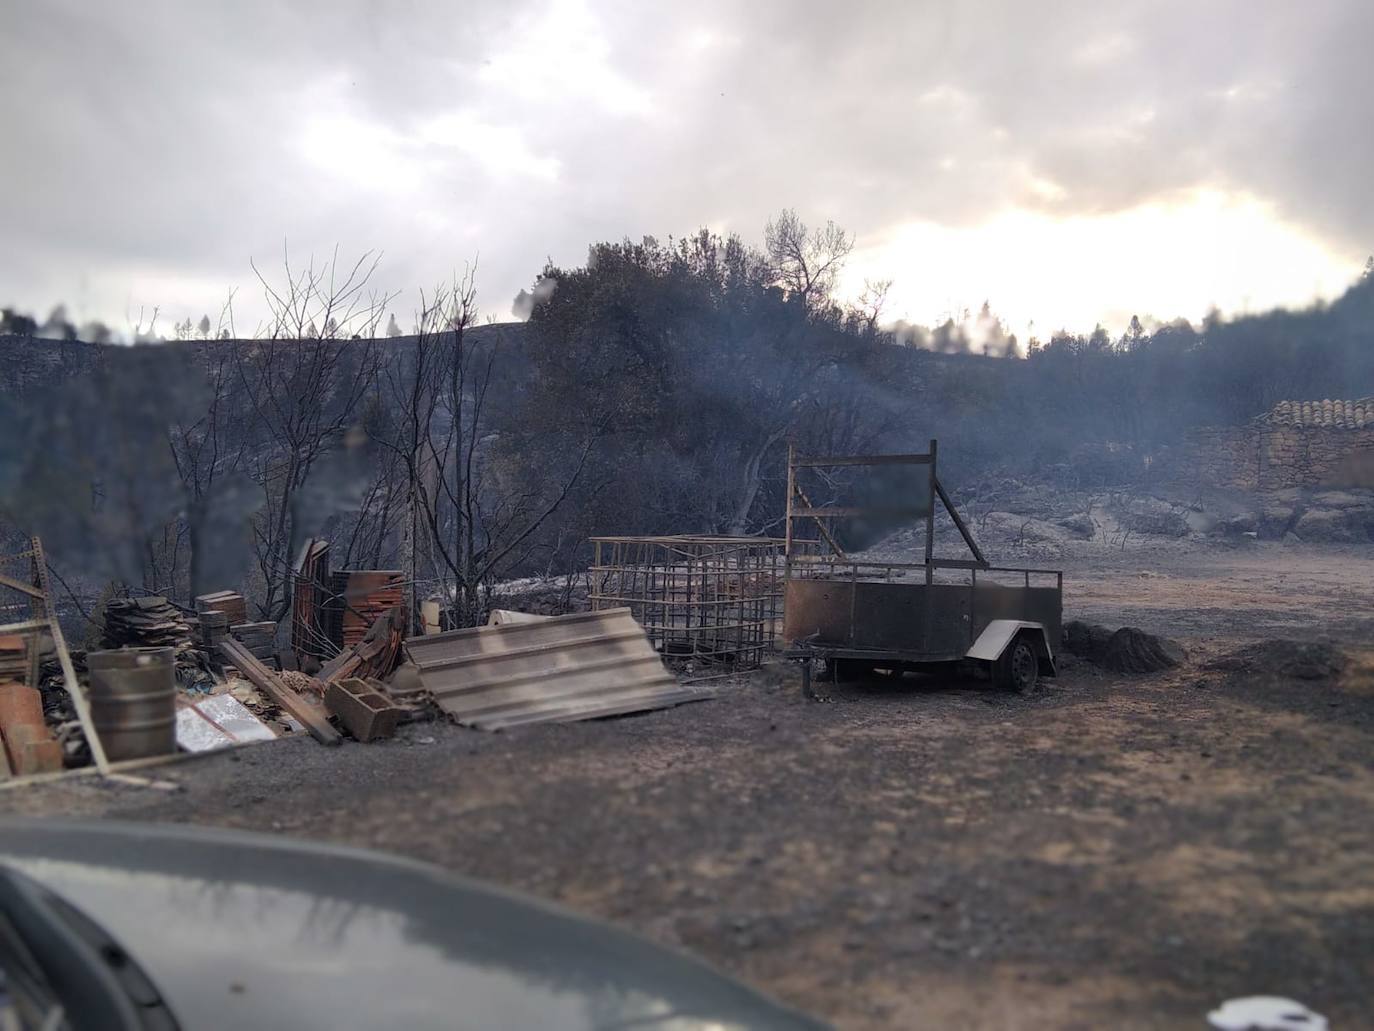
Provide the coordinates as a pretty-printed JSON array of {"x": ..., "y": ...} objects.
[{"x": 1109, "y": 850}]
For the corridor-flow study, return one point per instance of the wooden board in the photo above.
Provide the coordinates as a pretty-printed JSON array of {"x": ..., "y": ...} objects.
[{"x": 265, "y": 680}]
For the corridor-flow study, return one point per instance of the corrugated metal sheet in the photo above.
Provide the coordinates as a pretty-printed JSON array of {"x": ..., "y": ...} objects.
[
  {"x": 1341, "y": 415},
  {"x": 555, "y": 670}
]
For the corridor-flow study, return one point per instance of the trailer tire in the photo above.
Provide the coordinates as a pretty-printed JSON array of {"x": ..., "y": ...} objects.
[{"x": 1018, "y": 667}]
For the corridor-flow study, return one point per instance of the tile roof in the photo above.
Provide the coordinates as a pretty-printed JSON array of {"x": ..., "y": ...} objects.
[{"x": 1341, "y": 415}]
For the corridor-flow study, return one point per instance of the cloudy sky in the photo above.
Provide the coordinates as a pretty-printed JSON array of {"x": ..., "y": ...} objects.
[{"x": 1070, "y": 162}]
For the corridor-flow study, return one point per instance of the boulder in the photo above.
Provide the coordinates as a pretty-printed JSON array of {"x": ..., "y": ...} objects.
[
  {"x": 1330, "y": 526},
  {"x": 1238, "y": 525},
  {"x": 1274, "y": 520},
  {"x": 1081, "y": 526},
  {"x": 1153, "y": 516},
  {"x": 1343, "y": 499}
]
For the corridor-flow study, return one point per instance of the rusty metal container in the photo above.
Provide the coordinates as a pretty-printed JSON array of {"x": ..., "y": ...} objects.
[{"x": 133, "y": 701}]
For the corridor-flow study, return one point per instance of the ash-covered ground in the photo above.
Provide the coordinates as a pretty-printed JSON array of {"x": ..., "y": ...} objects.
[{"x": 1108, "y": 851}]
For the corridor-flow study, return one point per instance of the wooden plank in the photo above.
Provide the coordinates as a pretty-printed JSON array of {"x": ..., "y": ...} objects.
[
  {"x": 20, "y": 585},
  {"x": 28, "y": 626},
  {"x": 64, "y": 660},
  {"x": 265, "y": 680}
]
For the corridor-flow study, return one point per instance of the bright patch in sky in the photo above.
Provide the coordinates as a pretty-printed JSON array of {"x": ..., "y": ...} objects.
[{"x": 1164, "y": 259}]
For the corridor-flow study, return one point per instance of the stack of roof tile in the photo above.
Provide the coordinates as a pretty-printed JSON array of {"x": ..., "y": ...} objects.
[
  {"x": 361, "y": 597},
  {"x": 259, "y": 639},
  {"x": 214, "y": 627},
  {"x": 231, "y": 603},
  {"x": 145, "y": 623}
]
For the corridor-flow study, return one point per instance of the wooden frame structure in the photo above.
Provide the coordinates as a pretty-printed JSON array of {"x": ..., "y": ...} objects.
[{"x": 26, "y": 574}]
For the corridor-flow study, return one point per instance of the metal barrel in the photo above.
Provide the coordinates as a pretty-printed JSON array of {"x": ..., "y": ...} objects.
[{"x": 133, "y": 701}]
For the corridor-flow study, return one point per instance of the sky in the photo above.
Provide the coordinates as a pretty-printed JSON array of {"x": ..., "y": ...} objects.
[{"x": 1070, "y": 162}]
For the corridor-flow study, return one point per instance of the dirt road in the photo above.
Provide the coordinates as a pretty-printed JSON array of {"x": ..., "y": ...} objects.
[{"x": 1106, "y": 852}]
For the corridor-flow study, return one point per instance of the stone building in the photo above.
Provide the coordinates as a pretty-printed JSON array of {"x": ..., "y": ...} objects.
[{"x": 1295, "y": 444}]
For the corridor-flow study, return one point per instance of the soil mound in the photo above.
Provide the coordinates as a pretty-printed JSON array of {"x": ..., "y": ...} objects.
[
  {"x": 1294, "y": 660},
  {"x": 1128, "y": 650}
]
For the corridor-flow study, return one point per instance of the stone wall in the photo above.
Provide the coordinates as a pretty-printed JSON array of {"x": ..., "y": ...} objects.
[{"x": 1270, "y": 457}]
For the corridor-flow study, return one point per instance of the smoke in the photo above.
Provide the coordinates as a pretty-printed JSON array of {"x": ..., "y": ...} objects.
[{"x": 526, "y": 301}]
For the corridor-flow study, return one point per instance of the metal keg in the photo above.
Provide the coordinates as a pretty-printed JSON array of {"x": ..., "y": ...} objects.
[{"x": 133, "y": 701}]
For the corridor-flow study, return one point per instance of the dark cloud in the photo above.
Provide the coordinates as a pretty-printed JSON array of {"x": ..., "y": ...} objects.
[{"x": 157, "y": 146}]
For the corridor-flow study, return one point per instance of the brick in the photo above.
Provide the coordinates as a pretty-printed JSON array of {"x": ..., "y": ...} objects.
[
  {"x": 366, "y": 713},
  {"x": 32, "y": 750},
  {"x": 29, "y": 744}
]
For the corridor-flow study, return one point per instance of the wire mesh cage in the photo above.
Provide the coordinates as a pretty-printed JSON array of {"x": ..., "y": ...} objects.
[{"x": 717, "y": 599}]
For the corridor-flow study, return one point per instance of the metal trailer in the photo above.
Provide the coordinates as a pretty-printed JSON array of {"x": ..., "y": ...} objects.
[{"x": 862, "y": 615}]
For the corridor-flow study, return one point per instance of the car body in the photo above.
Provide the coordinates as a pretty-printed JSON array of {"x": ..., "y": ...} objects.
[{"x": 239, "y": 930}]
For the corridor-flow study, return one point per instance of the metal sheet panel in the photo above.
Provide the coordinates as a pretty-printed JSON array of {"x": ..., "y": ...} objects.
[
  {"x": 555, "y": 670},
  {"x": 891, "y": 619}
]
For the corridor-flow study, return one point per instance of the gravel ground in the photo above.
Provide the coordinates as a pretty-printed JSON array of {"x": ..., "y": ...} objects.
[{"x": 1105, "y": 852}]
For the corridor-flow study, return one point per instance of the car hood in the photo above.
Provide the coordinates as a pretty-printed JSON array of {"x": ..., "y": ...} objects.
[{"x": 242, "y": 930}]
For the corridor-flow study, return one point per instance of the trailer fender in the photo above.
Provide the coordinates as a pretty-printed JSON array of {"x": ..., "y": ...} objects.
[{"x": 998, "y": 634}]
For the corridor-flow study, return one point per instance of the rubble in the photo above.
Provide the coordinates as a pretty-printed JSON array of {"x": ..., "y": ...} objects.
[
  {"x": 1127, "y": 650},
  {"x": 265, "y": 680},
  {"x": 375, "y": 655}
]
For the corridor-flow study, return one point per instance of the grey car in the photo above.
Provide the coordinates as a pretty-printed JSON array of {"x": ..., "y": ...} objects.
[{"x": 115, "y": 925}]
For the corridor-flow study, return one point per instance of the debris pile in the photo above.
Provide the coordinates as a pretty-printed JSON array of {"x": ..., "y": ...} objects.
[
  {"x": 375, "y": 655},
  {"x": 1292, "y": 660},
  {"x": 1127, "y": 650}
]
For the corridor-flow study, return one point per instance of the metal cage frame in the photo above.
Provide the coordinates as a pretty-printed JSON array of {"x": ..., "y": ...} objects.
[{"x": 717, "y": 599}]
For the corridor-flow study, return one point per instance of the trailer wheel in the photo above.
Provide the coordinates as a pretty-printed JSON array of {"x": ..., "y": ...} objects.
[{"x": 1017, "y": 668}]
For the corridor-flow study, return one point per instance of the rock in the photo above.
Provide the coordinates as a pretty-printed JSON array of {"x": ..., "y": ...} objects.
[
  {"x": 1291, "y": 538},
  {"x": 1153, "y": 516},
  {"x": 1239, "y": 525},
  {"x": 1343, "y": 499},
  {"x": 1275, "y": 520},
  {"x": 1081, "y": 526},
  {"x": 1330, "y": 526}
]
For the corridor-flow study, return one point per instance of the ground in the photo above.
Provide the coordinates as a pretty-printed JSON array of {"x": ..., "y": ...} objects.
[{"x": 1106, "y": 851}]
